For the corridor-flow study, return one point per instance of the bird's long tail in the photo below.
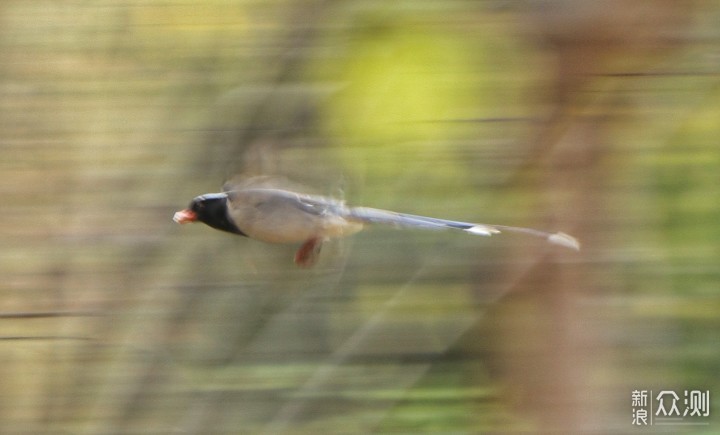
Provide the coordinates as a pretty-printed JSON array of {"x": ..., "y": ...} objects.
[{"x": 377, "y": 216}]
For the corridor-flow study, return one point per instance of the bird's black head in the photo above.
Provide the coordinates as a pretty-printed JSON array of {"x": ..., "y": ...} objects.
[{"x": 210, "y": 209}]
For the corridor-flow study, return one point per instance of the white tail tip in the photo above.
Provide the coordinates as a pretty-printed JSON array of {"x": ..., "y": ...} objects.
[
  {"x": 563, "y": 239},
  {"x": 482, "y": 230}
]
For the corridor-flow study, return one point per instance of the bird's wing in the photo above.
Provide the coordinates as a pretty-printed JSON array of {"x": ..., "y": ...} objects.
[
  {"x": 242, "y": 182},
  {"x": 266, "y": 198}
]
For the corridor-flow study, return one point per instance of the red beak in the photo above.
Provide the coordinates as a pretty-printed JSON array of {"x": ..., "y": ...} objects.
[{"x": 185, "y": 216}]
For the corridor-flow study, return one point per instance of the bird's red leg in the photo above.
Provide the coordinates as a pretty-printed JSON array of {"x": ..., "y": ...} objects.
[{"x": 308, "y": 253}]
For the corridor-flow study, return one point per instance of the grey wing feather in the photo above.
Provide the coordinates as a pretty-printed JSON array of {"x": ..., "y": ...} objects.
[{"x": 311, "y": 204}]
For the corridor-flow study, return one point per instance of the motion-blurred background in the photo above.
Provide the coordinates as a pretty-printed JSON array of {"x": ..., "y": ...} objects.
[{"x": 600, "y": 119}]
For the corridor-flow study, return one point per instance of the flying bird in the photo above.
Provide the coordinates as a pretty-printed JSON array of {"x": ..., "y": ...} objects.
[{"x": 276, "y": 215}]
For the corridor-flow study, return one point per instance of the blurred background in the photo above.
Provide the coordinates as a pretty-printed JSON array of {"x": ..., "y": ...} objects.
[{"x": 599, "y": 119}]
